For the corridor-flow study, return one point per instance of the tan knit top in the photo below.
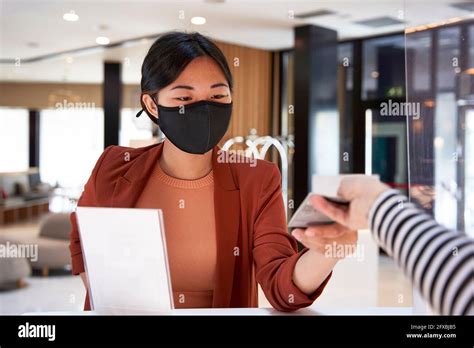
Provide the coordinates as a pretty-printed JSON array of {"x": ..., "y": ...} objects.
[{"x": 188, "y": 212}]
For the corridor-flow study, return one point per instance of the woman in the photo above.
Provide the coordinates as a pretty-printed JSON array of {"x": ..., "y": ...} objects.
[{"x": 225, "y": 222}]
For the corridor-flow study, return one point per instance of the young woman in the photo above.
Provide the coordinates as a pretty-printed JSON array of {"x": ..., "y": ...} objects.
[{"x": 225, "y": 222}]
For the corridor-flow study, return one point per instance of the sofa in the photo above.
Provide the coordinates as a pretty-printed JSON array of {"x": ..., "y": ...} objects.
[
  {"x": 53, "y": 243},
  {"x": 13, "y": 270}
]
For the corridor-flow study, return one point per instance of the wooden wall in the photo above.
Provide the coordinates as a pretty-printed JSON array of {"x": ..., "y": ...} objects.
[
  {"x": 252, "y": 72},
  {"x": 251, "y": 69}
]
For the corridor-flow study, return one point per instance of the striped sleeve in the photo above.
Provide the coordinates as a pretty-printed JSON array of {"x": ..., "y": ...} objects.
[{"x": 439, "y": 261}]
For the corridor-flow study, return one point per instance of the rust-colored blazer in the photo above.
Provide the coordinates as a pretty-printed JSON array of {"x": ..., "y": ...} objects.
[{"x": 249, "y": 215}]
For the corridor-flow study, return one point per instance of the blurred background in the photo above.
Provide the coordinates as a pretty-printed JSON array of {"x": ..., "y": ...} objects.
[{"x": 321, "y": 87}]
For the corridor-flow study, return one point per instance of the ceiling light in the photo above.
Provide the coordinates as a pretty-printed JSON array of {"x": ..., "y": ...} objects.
[
  {"x": 71, "y": 16},
  {"x": 198, "y": 20},
  {"x": 69, "y": 59},
  {"x": 102, "y": 40}
]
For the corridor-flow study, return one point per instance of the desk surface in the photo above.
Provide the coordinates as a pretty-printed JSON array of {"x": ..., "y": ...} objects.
[{"x": 313, "y": 310}]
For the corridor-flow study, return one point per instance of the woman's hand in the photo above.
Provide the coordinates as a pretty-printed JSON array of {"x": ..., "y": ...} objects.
[
  {"x": 361, "y": 192},
  {"x": 327, "y": 244},
  {"x": 334, "y": 241}
]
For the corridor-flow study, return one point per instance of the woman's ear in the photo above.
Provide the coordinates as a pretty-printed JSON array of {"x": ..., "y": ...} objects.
[{"x": 150, "y": 105}]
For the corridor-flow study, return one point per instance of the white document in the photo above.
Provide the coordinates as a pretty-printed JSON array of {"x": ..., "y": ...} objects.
[
  {"x": 323, "y": 185},
  {"x": 125, "y": 259}
]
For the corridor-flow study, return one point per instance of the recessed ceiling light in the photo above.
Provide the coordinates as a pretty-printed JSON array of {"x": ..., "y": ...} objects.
[
  {"x": 198, "y": 20},
  {"x": 69, "y": 59},
  {"x": 102, "y": 40},
  {"x": 71, "y": 16}
]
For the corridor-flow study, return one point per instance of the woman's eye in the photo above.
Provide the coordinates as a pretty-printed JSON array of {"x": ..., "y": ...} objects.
[
  {"x": 183, "y": 98},
  {"x": 219, "y": 96}
]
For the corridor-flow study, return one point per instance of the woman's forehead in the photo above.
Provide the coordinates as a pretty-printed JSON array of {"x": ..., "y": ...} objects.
[{"x": 202, "y": 71}]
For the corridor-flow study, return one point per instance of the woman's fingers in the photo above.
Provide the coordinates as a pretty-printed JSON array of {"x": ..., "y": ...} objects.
[
  {"x": 325, "y": 231},
  {"x": 298, "y": 233},
  {"x": 320, "y": 240},
  {"x": 334, "y": 211},
  {"x": 309, "y": 242}
]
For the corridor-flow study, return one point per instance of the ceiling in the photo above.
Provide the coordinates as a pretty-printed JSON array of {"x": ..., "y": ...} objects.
[{"x": 32, "y": 29}]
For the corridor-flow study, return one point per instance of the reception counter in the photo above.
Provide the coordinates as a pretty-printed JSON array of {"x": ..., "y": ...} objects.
[{"x": 312, "y": 310}]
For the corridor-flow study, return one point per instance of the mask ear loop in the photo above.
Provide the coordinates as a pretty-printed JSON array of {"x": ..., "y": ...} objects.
[{"x": 144, "y": 109}]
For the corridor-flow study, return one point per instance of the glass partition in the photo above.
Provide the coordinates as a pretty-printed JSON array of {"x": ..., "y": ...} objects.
[{"x": 440, "y": 137}]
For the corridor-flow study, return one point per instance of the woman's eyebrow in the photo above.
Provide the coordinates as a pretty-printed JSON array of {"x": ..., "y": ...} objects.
[
  {"x": 219, "y": 85},
  {"x": 182, "y": 86}
]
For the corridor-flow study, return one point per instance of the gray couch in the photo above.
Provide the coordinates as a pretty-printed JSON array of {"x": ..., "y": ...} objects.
[
  {"x": 53, "y": 243},
  {"x": 13, "y": 270}
]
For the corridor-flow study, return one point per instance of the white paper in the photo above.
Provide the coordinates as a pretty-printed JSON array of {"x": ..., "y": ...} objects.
[{"x": 126, "y": 261}]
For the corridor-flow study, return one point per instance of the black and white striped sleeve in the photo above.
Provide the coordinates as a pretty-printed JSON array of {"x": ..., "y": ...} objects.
[{"x": 439, "y": 261}]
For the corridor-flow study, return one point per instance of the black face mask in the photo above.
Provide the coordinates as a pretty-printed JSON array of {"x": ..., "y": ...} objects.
[{"x": 194, "y": 128}]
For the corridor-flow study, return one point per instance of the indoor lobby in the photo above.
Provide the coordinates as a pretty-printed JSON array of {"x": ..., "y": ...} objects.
[{"x": 319, "y": 88}]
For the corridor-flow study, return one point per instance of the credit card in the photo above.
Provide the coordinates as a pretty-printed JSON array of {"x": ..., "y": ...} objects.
[
  {"x": 306, "y": 215},
  {"x": 322, "y": 185}
]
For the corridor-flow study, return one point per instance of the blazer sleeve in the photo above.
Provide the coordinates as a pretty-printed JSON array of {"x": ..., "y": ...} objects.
[
  {"x": 275, "y": 250},
  {"x": 88, "y": 199}
]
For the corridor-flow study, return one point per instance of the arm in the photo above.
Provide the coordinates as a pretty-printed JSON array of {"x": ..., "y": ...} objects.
[
  {"x": 275, "y": 254},
  {"x": 325, "y": 243},
  {"x": 306, "y": 276},
  {"x": 440, "y": 262}
]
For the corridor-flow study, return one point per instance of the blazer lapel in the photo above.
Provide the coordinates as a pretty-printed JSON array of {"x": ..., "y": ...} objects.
[
  {"x": 131, "y": 184},
  {"x": 227, "y": 217}
]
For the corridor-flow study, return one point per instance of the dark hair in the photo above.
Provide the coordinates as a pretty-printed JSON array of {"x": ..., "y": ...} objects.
[{"x": 171, "y": 53}]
